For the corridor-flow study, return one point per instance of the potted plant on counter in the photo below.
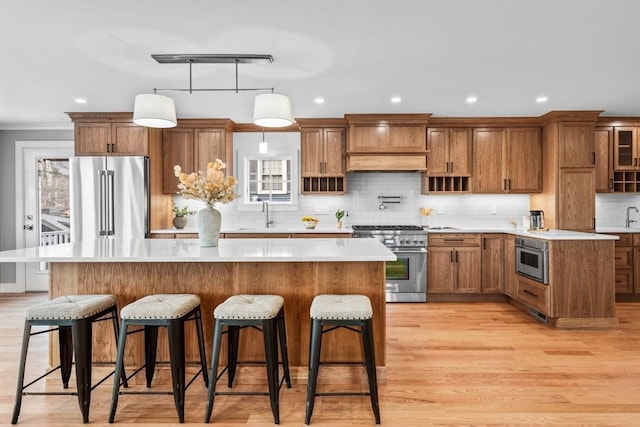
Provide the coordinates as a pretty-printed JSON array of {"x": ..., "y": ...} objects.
[
  {"x": 339, "y": 215},
  {"x": 180, "y": 215}
]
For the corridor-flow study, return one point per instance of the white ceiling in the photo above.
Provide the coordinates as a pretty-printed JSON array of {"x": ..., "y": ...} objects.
[{"x": 582, "y": 54}]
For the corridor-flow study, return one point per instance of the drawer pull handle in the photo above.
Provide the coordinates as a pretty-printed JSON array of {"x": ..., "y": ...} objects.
[
  {"x": 451, "y": 239},
  {"x": 530, "y": 293}
]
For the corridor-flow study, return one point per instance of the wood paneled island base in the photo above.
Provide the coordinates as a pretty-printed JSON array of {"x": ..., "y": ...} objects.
[{"x": 297, "y": 282}]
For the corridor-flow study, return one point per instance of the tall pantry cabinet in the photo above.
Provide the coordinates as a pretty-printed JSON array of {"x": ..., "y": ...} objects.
[{"x": 569, "y": 170}]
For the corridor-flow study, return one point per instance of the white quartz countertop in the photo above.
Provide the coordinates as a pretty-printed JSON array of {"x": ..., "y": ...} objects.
[
  {"x": 188, "y": 250},
  {"x": 618, "y": 230},
  {"x": 551, "y": 234},
  {"x": 256, "y": 230}
]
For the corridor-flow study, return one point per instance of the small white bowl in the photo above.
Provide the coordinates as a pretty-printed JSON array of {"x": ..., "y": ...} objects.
[{"x": 310, "y": 225}]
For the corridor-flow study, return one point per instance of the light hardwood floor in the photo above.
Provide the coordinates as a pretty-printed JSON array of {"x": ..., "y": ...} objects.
[{"x": 448, "y": 364}]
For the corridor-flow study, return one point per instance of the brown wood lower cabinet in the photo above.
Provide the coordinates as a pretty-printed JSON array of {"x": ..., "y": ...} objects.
[
  {"x": 581, "y": 286},
  {"x": 627, "y": 263},
  {"x": 533, "y": 294},
  {"x": 493, "y": 270},
  {"x": 454, "y": 263},
  {"x": 510, "y": 275}
]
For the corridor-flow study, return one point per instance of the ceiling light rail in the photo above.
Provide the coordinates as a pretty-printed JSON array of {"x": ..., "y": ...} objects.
[{"x": 270, "y": 110}]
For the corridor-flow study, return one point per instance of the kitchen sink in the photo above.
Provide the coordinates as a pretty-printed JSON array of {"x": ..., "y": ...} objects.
[{"x": 443, "y": 227}]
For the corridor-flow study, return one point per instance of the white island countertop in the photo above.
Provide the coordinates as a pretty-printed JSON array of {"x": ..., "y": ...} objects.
[{"x": 187, "y": 250}]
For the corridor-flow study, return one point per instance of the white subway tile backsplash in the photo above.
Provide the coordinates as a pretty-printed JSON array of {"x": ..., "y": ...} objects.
[
  {"x": 362, "y": 204},
  {"x": 611, "y": 209},
  {"x": 464, "y": 210}
]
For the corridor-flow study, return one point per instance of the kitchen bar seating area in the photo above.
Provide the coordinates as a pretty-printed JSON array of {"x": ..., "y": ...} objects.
[{"x": 470, "y": 364}]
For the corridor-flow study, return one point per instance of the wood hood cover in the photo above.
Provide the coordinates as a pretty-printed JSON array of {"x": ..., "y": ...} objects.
[{"x": 387, "y": 142}]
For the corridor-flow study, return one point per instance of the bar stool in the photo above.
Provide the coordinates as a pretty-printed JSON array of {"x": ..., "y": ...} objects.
[
  {"x": 341, "y": 311},
  {"x": 74, "y": 316},
  {"x": 151, "y": 312},
  {"x": 262, "y": 312}
]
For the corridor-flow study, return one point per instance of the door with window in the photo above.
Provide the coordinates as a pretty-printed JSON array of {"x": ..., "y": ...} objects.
[{"x": 42, "y": 205}]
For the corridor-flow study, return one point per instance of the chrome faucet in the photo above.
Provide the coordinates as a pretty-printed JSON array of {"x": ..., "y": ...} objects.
[
  {"x": 265, "y": 209},
  {"x": 629, "y": 221}
]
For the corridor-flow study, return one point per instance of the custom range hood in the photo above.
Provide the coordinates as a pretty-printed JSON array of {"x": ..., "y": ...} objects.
[{"x": 387, "y": 142}]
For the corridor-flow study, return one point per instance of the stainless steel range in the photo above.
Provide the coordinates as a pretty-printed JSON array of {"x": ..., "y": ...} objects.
[{"x": 406, "y": 278}]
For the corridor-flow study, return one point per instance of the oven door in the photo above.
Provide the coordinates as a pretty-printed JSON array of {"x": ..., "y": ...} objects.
[
  {"x": 406, "y": 279},
  {"x": 532, "y": 263}
]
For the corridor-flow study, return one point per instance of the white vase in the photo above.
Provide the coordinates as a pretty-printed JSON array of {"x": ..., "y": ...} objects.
[{"x": 209, "y": 220}]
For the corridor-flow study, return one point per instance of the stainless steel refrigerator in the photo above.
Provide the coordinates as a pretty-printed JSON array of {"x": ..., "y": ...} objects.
[{"x": 109, "y": 197}]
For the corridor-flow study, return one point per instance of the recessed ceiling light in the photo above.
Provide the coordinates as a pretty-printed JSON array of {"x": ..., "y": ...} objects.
[
  {"x": 472, "y": 99},
  {"x": 81, "y": 100},
  {"x": 396, "y": 99},
  {"x": 319, "y": 100},
  {"x": 542, "y": 99}
]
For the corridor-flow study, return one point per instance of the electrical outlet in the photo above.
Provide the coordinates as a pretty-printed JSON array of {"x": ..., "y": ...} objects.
[
  {"x": 492, "y": 210},
  {"x": 440, "y": 211},
  {"x": 321, "y": 210}
]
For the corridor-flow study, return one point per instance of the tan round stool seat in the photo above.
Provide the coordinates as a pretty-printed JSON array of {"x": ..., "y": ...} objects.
[
  {"x": 161, "y": 306},
  {"x": 70, "y": 307},
  {"x": 249, "y": 307},
  {"x": 341, "y": 307}
]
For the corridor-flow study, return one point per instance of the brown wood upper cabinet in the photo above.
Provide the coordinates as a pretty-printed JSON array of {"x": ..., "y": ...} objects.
[
  {"x": 115, "y": 139},
  {"x": 604, "y": 159},
  {"x": 577, "y": 148},
  {"x": 626, "y": 149},
  {"x": 387, "y": 138},
  {"x": 192, "y": 147},
  {"x": 449, "y": 151},
  {"x": 322, "y": 151},
  {"x": 507, "y": 160}
]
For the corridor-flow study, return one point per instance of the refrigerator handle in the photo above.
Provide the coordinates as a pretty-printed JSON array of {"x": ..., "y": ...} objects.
[
  {"x": 102, "y": 184},
  {"x": 110, "y": 204}
]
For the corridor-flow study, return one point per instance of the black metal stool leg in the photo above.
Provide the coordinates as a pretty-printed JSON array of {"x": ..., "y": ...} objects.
[
  {"x": 233, "y": 339},
  {"x": 175, "y": 333},
  {"x": 65, "y": 342},
  {"x": 150, "y": 349},
  {"x": 26, "y": 335},
  {"x": 116, "y": 331},
  {"x": 119, "y": 370},
  {"x": 370, "y": 360},
  {"x": 271, "y": 353},
  {"x": 203, "y": 353},
  {"x": 314, "y": 365},
  {"x": 213, "y": 374},
  {"x": 282, "y": 338},
  {"x": 82, "y": 346}
]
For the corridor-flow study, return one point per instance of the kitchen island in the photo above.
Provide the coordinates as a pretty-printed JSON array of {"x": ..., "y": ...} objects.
[{"x": 297, "y": 269}]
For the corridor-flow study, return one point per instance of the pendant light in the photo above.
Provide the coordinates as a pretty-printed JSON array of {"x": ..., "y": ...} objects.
[
  {"x": 262, "y": 146},
  {"x": 272, "y": 110},
  {"x": 155, "y": 111}
]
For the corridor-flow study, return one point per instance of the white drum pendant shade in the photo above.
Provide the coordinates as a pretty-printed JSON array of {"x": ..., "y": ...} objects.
[
  {"x": 271, "y": 110},
  {"x": 154, "y": 111}
]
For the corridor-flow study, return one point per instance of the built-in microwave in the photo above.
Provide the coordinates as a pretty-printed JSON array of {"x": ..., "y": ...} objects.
[{"x": 532, "y": 259}]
